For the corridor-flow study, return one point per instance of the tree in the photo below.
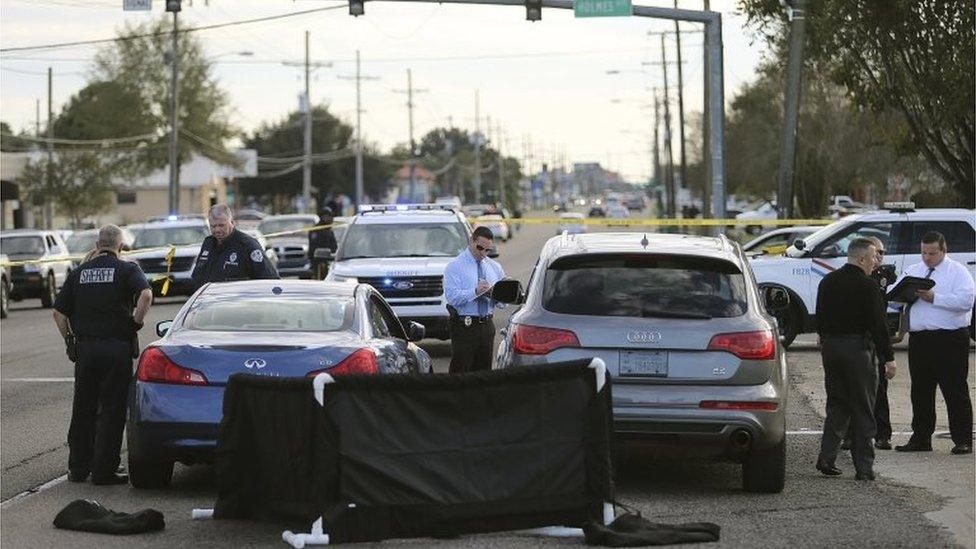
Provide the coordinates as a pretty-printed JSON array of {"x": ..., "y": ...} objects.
[
  {"x": 915, "y": 57},
  {"x": 79, "y": 184},
  {"x": 137, "y": 65},
  {"x": 9, "y": 141}
]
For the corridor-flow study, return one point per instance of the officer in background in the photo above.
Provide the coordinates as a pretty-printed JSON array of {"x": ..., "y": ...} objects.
[
  {"x": 94, "y": 313},
  {"x": 938, "y": 347},
  {"x": 228, "y": 254},
  {"x": 467, "y": 282},
  {"x": 321, "y": 237},
  {"x": 849, "y": 320}
]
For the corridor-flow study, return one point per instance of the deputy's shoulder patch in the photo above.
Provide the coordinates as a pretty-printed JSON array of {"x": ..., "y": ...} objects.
[{"x": 257, "y": 256}]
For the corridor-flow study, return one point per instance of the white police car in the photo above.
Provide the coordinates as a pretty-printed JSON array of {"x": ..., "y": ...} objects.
[
  {"x": 402, "y": 251},
  {"x": 899, "y": 226}
]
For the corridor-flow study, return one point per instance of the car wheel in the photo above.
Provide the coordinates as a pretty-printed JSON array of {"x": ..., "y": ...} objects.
[
  {"x": 4, "y": 299},
  {"x": 50, "y": 292},
  {"x": 789, "y": 320},
  {"x": 764, "y": 471},
  {"x": 150, "y": 474}
]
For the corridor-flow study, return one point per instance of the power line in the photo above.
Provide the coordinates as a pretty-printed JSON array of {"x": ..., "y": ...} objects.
[{"x": 143, "y": 137}]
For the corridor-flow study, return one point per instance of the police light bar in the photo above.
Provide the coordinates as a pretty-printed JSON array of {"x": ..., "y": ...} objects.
[
  {"x": 899, "y": 206},
  {"x": 381, "y": 208}
]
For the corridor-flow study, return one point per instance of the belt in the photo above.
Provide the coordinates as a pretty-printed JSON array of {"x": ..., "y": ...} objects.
[
  {"x": 100, "y": 338},
  {"x": 469, "y": 320}
]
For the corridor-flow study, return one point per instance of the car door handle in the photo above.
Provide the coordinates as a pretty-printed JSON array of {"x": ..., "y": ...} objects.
[{"x": 971, "y": 263}]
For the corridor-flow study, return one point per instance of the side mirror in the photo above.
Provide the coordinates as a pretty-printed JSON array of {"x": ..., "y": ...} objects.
[
  {"x": 162, "y": 328},
  {"x": 799, "y": 244},
  {"x": 415, "y": 331},
  {"x": 324, "y": 254},
  {"x": 508, "y": 290},
  {"x": 830, "y": 251},
  {"x": 493, "y": 253},
  {"x": 775, "y": 298}
]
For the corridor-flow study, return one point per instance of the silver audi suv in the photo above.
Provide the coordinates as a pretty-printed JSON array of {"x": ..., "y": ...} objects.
[{"x": 695, "y": 356}]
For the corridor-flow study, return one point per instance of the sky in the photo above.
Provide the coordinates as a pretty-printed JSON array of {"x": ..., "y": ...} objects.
[{"x": 544, "y": 85}]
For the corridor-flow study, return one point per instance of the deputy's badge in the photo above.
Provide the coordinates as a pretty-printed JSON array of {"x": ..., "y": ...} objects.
[
  {"x": 467, "y": 321},
  {"x": 233, "y": 257},
  {"x": 257, "y": 256}
]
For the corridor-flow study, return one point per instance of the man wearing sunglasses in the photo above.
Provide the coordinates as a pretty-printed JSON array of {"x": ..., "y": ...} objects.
[{"x": 467, "y": 286}]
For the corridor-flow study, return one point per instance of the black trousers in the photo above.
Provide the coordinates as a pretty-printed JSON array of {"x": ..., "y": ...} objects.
[
  {"x": 851, "y": 383},
  {"x": 940, "y": 358},
  {"x": 882, "y": 413},
  {"x": 102, "y": 376},
  {"x": 472, "y": 346}
]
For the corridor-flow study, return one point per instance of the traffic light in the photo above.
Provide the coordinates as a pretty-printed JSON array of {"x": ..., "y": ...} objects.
[
  {"x": 533, "y": 10},
  {"x": 173, "y": 5},
  {"x": 357, "y": 7}
]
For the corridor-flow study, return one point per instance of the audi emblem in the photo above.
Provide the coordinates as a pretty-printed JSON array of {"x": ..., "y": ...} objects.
[
  {"x": 403, "y": 285},
  {"x": 255, "y": 363},
  {"x": 639, "y": 336}
]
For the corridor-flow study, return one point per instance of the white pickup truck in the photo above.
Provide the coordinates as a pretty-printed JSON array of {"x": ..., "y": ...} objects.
[{"x": 900, "y": 227}]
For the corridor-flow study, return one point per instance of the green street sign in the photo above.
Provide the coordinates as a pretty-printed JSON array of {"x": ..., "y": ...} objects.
[{"x": 602, "y": 8}]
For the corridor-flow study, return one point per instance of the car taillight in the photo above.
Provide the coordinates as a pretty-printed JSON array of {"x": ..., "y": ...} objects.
[
  {"x": 747, "y": 345},
  {"x": 739, "y": 405},
  {"x": 156, "y": 367},
  {"x": 535, "y": 340},
  {"x": 363, "y": 361}
]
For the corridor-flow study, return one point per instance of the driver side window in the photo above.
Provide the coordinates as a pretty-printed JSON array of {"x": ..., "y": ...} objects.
[
  {"x": 376, "y": 320},
  {"x": 394, "y": 328},
  {"x": 886, "y": 231}
]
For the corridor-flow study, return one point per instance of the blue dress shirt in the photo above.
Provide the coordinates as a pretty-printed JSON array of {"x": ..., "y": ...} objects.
[{"x": 461, "y": 281}]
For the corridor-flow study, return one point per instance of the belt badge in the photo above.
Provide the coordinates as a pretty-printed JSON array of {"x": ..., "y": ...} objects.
[{"x": 467, "y": 321}]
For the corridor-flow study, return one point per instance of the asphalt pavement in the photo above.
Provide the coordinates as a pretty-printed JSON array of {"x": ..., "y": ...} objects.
[{"x": 918, "y": 500}]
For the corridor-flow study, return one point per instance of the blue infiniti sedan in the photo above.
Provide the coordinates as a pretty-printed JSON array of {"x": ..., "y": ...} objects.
[{"x": 261, "y": 327}]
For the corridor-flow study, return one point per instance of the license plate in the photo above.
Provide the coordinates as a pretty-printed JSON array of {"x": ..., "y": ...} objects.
[{"x": 644, "y": 363}]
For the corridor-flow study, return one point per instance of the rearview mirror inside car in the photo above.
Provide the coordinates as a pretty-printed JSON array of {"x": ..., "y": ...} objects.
[
  {"x": 508, "y": 290},
  {"x": 415, "y": 331},
  {"x": 775, "y": 298},
  {"x": 324, "y": 254},
  {"x": 830, "y": 251},
  {"x": 163, "y": 327}
]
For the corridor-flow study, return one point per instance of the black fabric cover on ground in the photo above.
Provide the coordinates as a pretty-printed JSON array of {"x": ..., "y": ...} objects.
[
  {"x": 419, "y": 455},
  {"x": 630, "y": 530},
  {"x": 91, "y": 516}
]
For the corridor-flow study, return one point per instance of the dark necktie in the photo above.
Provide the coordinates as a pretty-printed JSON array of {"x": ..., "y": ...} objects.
[{"x": 482, "y": 300}]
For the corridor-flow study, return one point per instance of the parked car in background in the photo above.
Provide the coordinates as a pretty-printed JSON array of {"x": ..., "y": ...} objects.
[
  {"x": 36, "y": 280},
  {"x": 571, "y": 223},
  {"x": 260, "y": 327},
  {"x": 291, "y": 248},
  {"x": 496, "y": 224},
  {"x": 82, "y": 242},
  {"x": 615, "y": 210},
  {"x": 153, "y": 244},
  {"x": 449, "y": 200},
  {"x": 597, "y": 211},
  {"x": 758, "y": 214},
  {"x": 776, "y": 241},
  {"x": 5, "y": 286},
  {"x": 249, "y": 219}
]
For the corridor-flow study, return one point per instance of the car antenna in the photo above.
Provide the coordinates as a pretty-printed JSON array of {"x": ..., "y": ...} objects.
[{"x": 644, "y": 241}]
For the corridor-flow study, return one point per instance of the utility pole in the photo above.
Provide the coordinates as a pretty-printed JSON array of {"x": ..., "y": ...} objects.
[
  {"x": 681, "y": 105},
  {"x": 48, "y": 209},
  {"x": 791, "y": 104},
  {"x": 501, "y": 163},
  {"x": 669, "y": 172},
  {"x": 706, "y": 150},
  {"x": 657, "y": 139},
  {"x": 413, "y": 145},
  {"x": 174, "y": 121},
  {"x": 477, "y": 146},
  {"x": 37, "y": 118},
  {"x": 307, "y": 140},
  {"x": 359, "y": 125}
]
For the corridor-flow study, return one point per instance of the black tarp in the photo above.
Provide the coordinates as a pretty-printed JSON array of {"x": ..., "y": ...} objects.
[{"x": 418, "y": 455}]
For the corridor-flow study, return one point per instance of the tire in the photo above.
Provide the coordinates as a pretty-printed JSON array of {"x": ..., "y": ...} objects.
[
  {"x": 790, "y": 323},
  {"x": 49, "y": 292},
  {"x": 764, "y": 471},
  {"x": 150, "y": 474},
  {"x": 4, "y": 299}
]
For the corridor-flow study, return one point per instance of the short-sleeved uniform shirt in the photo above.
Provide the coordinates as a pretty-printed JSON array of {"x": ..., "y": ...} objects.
[
  {"x": 238, "y": 257},
  {"x": 98, "y": 297}
]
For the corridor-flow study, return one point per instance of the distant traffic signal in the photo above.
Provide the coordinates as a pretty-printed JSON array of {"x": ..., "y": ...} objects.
[
  {"x": 533, "y": 10},
  {"x": 173, "y": 5},
  {"x": 356, "y": 8}
]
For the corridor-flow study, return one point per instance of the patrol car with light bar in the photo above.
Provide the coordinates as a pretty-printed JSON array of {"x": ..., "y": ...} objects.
[
  {"x": 402, "y": 251},
  {"x": 899, "y": 225}
]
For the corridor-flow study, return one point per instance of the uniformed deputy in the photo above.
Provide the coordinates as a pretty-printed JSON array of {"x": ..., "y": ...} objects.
[
  {"x": 938, "y": 347},
  {"x": 467, "y": 281},
  {"x": 228, "y": 254},
  {"x": 94, "y": 313},
  {"x": 852, "y": 328},
  {"x": 321, "y": 237}
]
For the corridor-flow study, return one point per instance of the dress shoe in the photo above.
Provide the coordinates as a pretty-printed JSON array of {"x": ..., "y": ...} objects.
[
  {"x": 959, "y": 449},
  {"x": 845, "y": 444},
  {"x": 108, "y": 480},
  {"x": 915, "y": 446},
  {"x": 77, "y": 476},
  {"x": 882, "y": 444},
  {"x": 828, "y": 469},
  {"x": 866, "y": 475}
]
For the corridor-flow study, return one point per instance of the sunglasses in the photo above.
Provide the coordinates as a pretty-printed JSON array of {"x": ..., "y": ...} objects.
[
  {"x": 481, "y": 248},
  {"x": 881, "y": 252}
]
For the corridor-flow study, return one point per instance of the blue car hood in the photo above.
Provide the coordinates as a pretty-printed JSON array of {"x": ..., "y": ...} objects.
[{"x": 218, "y": 355}]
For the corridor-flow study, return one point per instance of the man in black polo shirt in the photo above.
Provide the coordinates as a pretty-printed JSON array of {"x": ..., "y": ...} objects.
[
  {"x": 94, "y": 313},
  {"x": 228, "y": 254},
  {"x": 852, "y": 328}
]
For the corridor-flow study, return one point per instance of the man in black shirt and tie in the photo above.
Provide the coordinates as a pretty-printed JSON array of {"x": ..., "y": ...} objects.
[{"x": 851, "y": 325}]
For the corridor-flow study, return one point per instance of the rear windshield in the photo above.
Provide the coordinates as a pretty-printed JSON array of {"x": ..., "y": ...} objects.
[
  {"x": 13, "y": 245},
  {"x": 80, "y": 243},
  {"x": 153, "y": 237},
  {"x": 644, "y": 286},
  {"x": 271, "y": 314}
]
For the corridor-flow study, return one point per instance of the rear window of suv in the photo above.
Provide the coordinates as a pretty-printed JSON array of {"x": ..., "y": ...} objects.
[{"x": 644, "y": 285}]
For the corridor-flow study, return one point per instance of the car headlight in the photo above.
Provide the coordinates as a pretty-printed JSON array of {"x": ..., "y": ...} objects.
[{"x": 340, "y": 278}]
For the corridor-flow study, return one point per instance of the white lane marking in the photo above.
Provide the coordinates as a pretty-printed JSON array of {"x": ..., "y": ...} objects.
[
  {"x": 905, "y": 433},
  {"x": 39, "y": 379},
  {"x": 34, "y": 490}
]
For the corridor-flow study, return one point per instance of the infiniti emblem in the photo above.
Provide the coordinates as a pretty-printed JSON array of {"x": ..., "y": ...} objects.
[
  {"x": 255, "y": 363},
  {"x": 403, "y": 285},
  {"x": 639, "y": 336}
]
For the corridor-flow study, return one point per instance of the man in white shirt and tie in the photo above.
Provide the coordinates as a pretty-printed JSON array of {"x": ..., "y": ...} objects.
[{"x": 938, "y": 347}]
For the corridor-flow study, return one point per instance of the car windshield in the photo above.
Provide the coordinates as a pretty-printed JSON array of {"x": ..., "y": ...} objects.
[
  {"x": 403, "y": 240},
  {"x": 15, "y": 245},
  {"x": 270, "y": 314},
  {"x": 153, "y": 237},
  {"x": 284, "y": 225},
  {"x": 80, "y": 243},
  {"x": 643, "y": 285}
]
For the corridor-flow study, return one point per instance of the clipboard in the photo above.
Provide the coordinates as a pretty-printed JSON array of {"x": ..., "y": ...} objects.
[{"x": 904, "y": 291}]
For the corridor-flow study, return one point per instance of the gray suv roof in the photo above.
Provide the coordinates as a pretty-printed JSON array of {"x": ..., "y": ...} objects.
[{"x": 677, "y": 244}]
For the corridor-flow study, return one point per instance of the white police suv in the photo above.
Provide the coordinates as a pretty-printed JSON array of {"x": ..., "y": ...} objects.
[
  {"x": 402, "y": 251},
  {"x": 899, "y": 226}
]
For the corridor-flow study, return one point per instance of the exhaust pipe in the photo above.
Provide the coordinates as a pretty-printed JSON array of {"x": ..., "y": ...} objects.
[{"x": 741, "y": 439}]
